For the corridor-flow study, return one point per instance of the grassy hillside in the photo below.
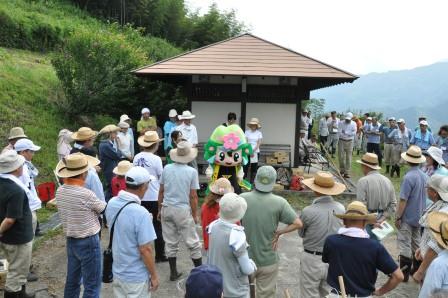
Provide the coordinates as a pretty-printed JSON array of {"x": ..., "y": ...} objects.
[{"x": 28, "y": 88}]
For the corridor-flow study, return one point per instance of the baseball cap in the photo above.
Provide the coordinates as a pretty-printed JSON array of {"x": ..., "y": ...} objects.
[
  {"x": 391, "y": 119},
  {"x": 401, "y": 120},
  {"x": 265, "y": 178},
  {"x": 423, "y": 122},
  {"x": 25, "y": 144},
  {"x": 348, "y": 116},
  {"x": 204, "y": 281},
  {"x": 138, "y": 176},
  {"x": 145, "y": 110}
]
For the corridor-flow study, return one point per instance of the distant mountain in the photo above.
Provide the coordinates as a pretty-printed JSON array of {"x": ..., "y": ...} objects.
[{"x": 403, "y": 94}]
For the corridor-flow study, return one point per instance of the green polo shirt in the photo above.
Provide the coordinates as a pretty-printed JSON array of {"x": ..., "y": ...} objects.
[{"x": 264, "y": 212}]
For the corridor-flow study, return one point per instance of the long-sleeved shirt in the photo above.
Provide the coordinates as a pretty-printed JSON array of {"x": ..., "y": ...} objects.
[
  {"x": 93, "y": 183},
  {"x": 372, "y": 133},
  {"x": 436, "y": 276},
  {"x": 347, "y": 131},
  {"x": 124, "y": 144},
  {"x": 28, "y": 175},
  {"x": 323, "y": 127},
  {"x": 401, "y": 137},
  {"x": 167, "y": 129},
  {"x": 333, "y": 125},
  {"x": 386, "y": 130},
  {"x": 377, "y": 192},
  {"x": 189, "y": 133}
]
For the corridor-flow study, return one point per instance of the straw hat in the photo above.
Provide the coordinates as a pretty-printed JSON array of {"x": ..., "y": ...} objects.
[
  {"x": 254, "y": 121},
  {"x": 15, "y": 133},
  {"x": 436, "y": 154},
  {"x": 438, "y": 223},
  {"x": 84, "y": 134},
  {"x": 323, "y": 182},
  {"x": 413, "y": 155},
  {"x": 149, "y": 138},
  {"x": 370, "y": 160},
  {"x": 75, "y": 164},
  {"x": 232, "y": 207},
  {"x": 221, "y": 186},
  {"x": 440, "y": 184},
  {"x": 356, "y": 210},
  {"x": 184, "y": 153},
  {"x": 122, "y": 168},
  {"x": 186, "y": 115},
  {"x": 10, "y": 161},
  {"x": 109, "y": 129}
]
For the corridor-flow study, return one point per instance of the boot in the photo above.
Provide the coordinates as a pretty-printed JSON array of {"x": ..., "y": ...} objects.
[
  {"x": 197, "y": 262},
  {"x": 388, "y": 170},
  {"x": 392, "y": 171},
  {"x": 405, "y": 262},
  {"x": 415, "y": 265},
  {"x": 8, "y": 294},
  {"x": 24, "y": 294},
  {"x": 398, "y": 171},
  {"x": 174, "y": 275}
]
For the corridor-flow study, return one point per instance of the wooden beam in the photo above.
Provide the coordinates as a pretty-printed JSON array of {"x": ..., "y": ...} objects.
[
  {"x": 244, "y": 96},
  {"x": 302, "y": 94}
]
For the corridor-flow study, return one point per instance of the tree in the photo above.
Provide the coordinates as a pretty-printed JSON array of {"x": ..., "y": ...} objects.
[{"x": 316, "y": 106}]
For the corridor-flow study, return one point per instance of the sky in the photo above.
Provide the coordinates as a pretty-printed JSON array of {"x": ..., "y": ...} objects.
[{"x": 359, "y": 36}]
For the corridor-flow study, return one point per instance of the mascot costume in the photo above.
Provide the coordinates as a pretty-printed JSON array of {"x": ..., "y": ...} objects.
[{"x": 226, "y": 152}]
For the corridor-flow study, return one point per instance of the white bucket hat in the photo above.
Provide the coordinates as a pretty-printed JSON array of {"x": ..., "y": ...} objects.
[
  {"x": 186, "y": 115},
  {"x": 435, "y": 153},
  {"x": 172, "y": 113},
  {"x": 440, "y": 184},
  {"x": 10, "y": 161},
  {"x": 232, "y": 207},
  {"x": 124, "y": 118},
  {"x": 25, "y": 144},
  {"x": 123, "y": 124}
]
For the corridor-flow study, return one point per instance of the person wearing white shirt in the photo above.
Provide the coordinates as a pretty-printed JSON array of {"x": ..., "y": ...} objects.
[
  {"x": 189, "y": 132},
  {"x": 333, "y": 137},
  {"x": 130, "y": 132},
  {"x": 346, "y": 132},
  {"x": 254, "y": 138},
  {"x": 323, "y": 131},
  {"x": 124, "y": 141}
]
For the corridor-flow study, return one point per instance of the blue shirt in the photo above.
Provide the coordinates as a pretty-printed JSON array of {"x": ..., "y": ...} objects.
[
  {"x": 178, "y": 180},
  {"x": 167, "y": 129},
  {"x": 443, "y": 144},
  {"x": 413, "y": 191},
  {"x": 372, "y": 138},
  {"x": 93, "y": 183},
  {"x": 386, "y": 130},
  {"x": 436, "y": 276},
  {"x": 133, "y": 228},
  {"x": 424, "y": 141},
  {"x": 357, "y": 260}
]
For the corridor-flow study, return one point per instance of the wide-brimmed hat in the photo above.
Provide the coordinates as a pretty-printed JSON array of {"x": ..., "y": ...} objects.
[
  {"x": 221, "y": 186},
  {"x": 413, "y": 155},
  {"x": 10, "y": 161},
  {"x": 25, "y": 144},
  {"x": 440, "y": 184},
  {"x": 436, "y": 154},
  {"x": 232, "y": 207},
  {"x": 324, "y": 183},
  {"x": 265, "y": 178},
  {"x": 184, "y": 153},
  {"x": 123, "y": 125},
  {"x": 254, "y": 121},
  {"x": 370, "y": 160},
  {"x": 149, "y": 139},
  {"x": 75, "y": 164},
  {"x": 84, "y": 134},
  {"x": 124, "y": 118},
  {"x": 109, "y": 129},
  {"x": 356, "y": 210},
  {"x": 172, "y": 113},
  {"x": 15, "y": 133},
  {"x": 438, "y": 223},
  {"x": 122, "y": 168},
  {"x": 186, "y": 115}
]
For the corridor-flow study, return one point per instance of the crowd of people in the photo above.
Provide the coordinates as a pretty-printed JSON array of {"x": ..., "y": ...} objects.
[{"x": 143, "y": 199}]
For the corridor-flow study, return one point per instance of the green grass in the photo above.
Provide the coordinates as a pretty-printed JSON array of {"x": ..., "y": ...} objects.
[
  {"x": 50, "y": 234},
  {"x": 44, "y": 214}
]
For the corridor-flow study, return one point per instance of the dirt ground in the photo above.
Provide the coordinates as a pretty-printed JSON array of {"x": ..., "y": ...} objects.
[{"x": 50, "y": 263}]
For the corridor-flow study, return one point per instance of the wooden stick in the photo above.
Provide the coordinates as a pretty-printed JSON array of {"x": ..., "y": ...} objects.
[
  {"x": 252, "y": 286},
  {"x": 287, "y": 295},
  {"x": 342, "y": 286}
]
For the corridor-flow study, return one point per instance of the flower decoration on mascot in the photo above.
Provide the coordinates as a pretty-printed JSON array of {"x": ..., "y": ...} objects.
[{"x": 227, "y": 151}]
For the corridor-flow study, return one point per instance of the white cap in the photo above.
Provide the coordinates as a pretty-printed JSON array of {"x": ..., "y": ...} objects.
[
  {"x": 391, "y": 119},
  {"x": 348, "y": 116},
  {"x": 369, "y": 118},
  {"x": 124, "y": 118},
  {"x": 145, "y": 110},
  {"x": 138, "y": 176},
  {"x": 25, "y": 144},
  {"x": 172, "y": 113},
  {"x": 123, "y": 125},
  {"x": 423, "y": 122},
  {"x": 401, "y": 120}
]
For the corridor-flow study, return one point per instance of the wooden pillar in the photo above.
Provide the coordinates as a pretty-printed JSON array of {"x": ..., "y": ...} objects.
[
  {"x": 243, "y": 102},
  {"x": 301, "y": 95},
  {"x": 189, "y": 92}
]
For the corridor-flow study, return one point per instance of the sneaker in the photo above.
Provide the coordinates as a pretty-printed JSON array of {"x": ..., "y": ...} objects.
[{"x": 32, "y": 277}]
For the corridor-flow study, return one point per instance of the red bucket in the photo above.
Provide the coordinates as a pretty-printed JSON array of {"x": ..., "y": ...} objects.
[{"x": 46, "y": 191}]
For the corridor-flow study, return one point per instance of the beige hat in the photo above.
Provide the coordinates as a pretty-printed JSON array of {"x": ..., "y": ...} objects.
[
  {"x": 123, "y": 124},
  {"x": 413, "y": 155},
  {"x": 370, "y": 160},
  {"x": 84, "y": 134},
  {"x": 75, "y": 164},
  {"x": 15, "y": 133},
  {"x": 436, "y": 153},
  {"x": 439, "y": 183},
  {"x": 187, "y": 115},
  {"x": 184, "y": 153},
  {"x": 323, "y": 182},
  {"x": 356, "y": 210},
  {"x": 10, "y": 161},
  {"x": 232, "y": 207},
  {"x": 254, "y": 121},
  {"x": 221, "y": 186},
  {"x": 122, "y": 168},
  {"x": 438, "y": 223},
  {"x": 109, "y": 129},
  {"x": 149, "y": 138},
  {"x": 124, "y": 118}
]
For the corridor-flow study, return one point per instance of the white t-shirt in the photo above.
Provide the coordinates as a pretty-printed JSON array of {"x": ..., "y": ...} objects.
[
  {"x": 153, "y": 164},
  {"x": 189, "y": 133},
  {"x": 253, "y": 137}
]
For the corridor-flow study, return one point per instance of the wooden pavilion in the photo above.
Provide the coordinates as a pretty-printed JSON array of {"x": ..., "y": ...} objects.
[{"x": 251, "y": 77}]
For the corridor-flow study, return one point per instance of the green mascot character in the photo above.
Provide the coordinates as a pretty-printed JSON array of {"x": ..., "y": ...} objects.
[{"x": 227, "y": 151}]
